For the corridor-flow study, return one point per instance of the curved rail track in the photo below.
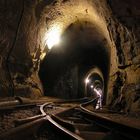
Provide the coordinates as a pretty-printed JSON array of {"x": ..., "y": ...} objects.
[{"x": 74, "y": 122}]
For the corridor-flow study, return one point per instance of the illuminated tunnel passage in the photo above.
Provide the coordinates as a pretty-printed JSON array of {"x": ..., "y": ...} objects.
[{"x": 64, "y": 69}]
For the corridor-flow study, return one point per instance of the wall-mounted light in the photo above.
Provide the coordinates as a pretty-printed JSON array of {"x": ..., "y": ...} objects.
[
  {"x": 52, "y": 37},
  {"x": 87, "y": 81},
  {"x": 91, "y": 86}
]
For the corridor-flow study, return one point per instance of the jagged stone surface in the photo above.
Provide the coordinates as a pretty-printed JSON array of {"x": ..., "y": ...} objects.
[{"x": 20, "y": 49}]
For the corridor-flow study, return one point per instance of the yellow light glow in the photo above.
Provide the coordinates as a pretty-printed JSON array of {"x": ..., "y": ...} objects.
[{"x": 53, "y": 37}]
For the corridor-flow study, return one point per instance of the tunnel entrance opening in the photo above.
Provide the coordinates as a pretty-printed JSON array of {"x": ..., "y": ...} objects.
[{"x": 63, "y": 70}]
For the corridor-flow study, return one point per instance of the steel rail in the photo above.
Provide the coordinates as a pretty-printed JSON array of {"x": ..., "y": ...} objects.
[
  {"x": 124, "y": 129},
  {"x": 18, "y": 102},
  {"x": 71, "y": 134},
  {"x": 23, "y": 131},
  {"x": 29, "y": 119},
  {"x": 31, "y": 125},
  {"x": 43, "y": 113}
]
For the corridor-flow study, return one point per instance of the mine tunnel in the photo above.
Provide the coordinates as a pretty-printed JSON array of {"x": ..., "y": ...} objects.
[
  {"x": 69, "y": 69},
  {"x": 63, "y": 71}
]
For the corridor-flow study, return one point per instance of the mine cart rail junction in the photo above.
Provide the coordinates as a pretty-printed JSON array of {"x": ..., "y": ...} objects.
[{"x": 67, "y": 119}]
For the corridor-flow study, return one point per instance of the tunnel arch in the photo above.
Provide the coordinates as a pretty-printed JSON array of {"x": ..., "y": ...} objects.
[
  {"x": 83, "y": 45},
  {"x": 94, "y": 79}
]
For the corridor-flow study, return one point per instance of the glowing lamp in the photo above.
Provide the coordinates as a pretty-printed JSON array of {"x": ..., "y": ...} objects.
[
  {"x": 87, "y": 81},
  {"x": 91, "y": 86},
  {"x": 53, "y": 37}
]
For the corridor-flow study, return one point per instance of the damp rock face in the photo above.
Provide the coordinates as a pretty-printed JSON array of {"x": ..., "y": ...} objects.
[
  {"x": 25, "y": 23},
  {"x": 125, "y": 82},
  {"x": 20, "y": 49}
]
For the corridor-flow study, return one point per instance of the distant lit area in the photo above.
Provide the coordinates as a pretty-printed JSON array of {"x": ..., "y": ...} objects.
[{"x": 91, "y": 86}]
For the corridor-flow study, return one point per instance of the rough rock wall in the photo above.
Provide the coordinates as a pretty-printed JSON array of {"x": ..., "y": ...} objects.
[
  {"x": 8, "y": 27},
  {"x": 125, "y": 82},
  {"x": 20, "y": 48},
  {"x": 122, "y": 21},
  {"x": 67, "y": 13}
]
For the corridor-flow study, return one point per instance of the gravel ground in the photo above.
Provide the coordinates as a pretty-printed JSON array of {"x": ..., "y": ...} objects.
[{"x": 8, "y": 117}]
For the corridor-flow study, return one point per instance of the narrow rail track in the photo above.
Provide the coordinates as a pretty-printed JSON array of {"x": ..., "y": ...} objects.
[
  {"x": 90, "y": 125},
  {"x": 74, "y": 122},
  {"x": 28, "y": 127},
  {"x": 120, "y": 130}
]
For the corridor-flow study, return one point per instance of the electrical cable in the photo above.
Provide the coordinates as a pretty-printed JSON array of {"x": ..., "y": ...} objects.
[{"x": 11, "y": 85}]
